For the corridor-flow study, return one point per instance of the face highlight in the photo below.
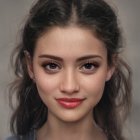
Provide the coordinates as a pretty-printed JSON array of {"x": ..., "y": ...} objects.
[{"x": 70, "y": 70}]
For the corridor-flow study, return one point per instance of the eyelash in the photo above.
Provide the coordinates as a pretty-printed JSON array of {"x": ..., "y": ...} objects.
[
  {"x": 91, "y": 67},
  {"x": 50, "y": 67},
  {"x": 86, "y": 67}
]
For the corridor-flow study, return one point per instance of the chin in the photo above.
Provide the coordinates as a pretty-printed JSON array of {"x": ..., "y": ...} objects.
[{"x": 74, "y": 117}]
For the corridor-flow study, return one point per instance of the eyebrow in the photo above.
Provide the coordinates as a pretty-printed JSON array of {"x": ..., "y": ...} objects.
[
  {"x": 51, "y": 57},
  {"x": 79, "y": 59},
  {"x": 89, "y": 57}
]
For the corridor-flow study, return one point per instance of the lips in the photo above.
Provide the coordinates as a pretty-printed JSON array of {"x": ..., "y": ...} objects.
[{"x": 70, "y": 103}]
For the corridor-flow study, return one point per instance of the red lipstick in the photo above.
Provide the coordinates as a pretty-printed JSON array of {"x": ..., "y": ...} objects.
[{"x": 70, "y": 102}]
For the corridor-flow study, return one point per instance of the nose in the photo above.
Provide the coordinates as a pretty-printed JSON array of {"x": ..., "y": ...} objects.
[{"x": 70, "y": 84}]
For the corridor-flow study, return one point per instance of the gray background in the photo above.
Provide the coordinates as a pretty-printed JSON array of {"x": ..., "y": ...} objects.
[{"x": 12, "y": 15}]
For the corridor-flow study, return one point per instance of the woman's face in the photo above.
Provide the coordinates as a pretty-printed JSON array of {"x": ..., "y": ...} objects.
[{"x": 70, "y": 70}]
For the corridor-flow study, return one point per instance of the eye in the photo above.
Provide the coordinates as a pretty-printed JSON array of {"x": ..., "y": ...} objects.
[
  {"x": 89, "y": 67},
  {"x": 51, "y": 67}
]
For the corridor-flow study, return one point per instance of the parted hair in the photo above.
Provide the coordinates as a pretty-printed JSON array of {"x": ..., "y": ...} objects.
[{"x": 99, "y": 17}]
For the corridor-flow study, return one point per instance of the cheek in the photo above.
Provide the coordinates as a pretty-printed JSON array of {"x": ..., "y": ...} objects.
[
  {"x": 94, "y": 85},
  {"x": 46, "y": 84},
  {"x": 47, "y": 87}
]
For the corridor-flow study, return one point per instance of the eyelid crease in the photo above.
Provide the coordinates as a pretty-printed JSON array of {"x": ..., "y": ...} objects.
[
  {"x": 95, "y": 62},
  {"x": 48, "y": 61},
  {"x": 60, "y": 65},
  {"x": 51, "y": 62},
  {"x": 47, "y": 68}
]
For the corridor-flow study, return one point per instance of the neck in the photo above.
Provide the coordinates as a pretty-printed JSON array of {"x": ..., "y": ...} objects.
[{"x": 56, "y": 129}]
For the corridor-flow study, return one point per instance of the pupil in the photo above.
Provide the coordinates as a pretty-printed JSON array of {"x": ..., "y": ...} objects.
[
  {"x": 88, "y": 66},
  {"x": 52, "y": 66}
]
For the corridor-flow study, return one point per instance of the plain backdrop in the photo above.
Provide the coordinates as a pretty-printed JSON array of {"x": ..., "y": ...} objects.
[{"x": 12, "y": 16}]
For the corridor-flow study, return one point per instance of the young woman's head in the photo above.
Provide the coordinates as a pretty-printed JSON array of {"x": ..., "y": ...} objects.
[{"x": 70, "y": 49}]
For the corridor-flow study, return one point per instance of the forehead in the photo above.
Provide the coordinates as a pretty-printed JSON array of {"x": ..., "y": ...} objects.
[{"x": 72, "y": 41}]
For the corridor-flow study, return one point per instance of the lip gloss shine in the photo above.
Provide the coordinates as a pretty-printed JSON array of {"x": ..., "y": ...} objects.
[{"x": 69, "y": 103}]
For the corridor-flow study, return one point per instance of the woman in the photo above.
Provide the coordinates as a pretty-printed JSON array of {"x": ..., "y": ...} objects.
[{"x": 71, "y": 81}]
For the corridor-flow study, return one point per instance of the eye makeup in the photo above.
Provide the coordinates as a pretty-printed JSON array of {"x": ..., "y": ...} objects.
[
  {"x": 86, "y": 64},
  {"x": 51, "y": 66},
  {"x": 89, "y": 66}
]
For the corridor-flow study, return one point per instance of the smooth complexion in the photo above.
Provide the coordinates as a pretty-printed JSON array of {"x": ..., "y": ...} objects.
[{"x": 70, "y": 63}]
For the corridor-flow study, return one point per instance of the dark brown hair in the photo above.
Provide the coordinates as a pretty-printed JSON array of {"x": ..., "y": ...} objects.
[{"x": 99, "y": 17}]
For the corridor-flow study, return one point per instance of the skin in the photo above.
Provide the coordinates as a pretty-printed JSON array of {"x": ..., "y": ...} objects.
[{"x": 70, "y": 62}]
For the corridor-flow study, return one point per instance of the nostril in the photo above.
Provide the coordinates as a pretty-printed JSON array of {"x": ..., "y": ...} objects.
[
  {"x": 69, "y": 83},
  {"x": 69, "y": 88}
]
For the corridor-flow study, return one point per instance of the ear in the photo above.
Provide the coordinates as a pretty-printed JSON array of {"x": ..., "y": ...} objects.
[
  {"x": 112, "y": 67},
  {"x": 110, "y": 73},
  {"x": 29, "y": 64}
]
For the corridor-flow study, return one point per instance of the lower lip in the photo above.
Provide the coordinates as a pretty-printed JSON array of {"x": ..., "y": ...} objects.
[{"x": 68, "y": 104}]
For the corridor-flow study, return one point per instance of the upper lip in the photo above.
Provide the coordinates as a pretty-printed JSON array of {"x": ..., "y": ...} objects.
[{"x": 71, "y": 99}]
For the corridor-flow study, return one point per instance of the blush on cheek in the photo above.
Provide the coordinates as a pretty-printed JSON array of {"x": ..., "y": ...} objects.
[
  {"x": 46, "y": 85},
  {"x": 44, "y": 89}
]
